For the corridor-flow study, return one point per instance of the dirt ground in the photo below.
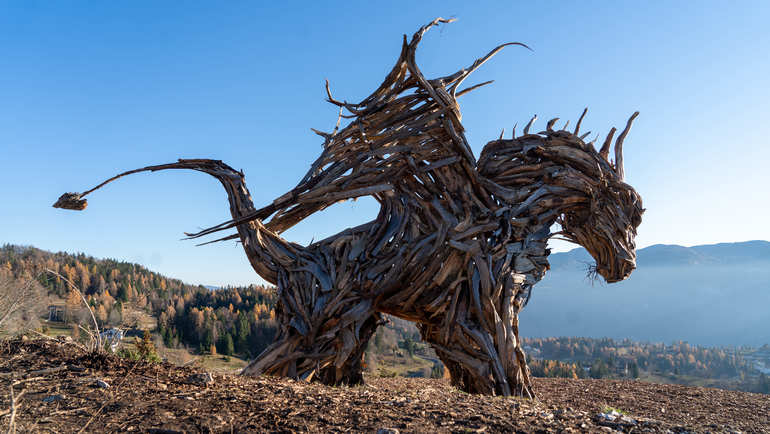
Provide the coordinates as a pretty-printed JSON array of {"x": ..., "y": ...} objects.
[{"x": 56, "y": 389}]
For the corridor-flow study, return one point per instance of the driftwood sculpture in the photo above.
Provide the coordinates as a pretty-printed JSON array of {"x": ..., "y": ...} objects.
[{"x": 456, "y": 247}]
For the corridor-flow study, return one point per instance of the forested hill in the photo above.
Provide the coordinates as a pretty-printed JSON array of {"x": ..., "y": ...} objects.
[
  {"x": 122, "y": 281},
  {"x": 233, "y": 319}
]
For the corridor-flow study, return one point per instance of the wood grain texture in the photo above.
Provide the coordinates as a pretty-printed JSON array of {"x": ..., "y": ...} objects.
[{"x": 456, "y": 247}]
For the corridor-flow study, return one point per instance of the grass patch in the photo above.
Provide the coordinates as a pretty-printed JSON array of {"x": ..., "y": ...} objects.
[
  {"x": 608, "y": 409},
  {"x": 390, "y": 365},
  {"x": 220, "y": 363}
]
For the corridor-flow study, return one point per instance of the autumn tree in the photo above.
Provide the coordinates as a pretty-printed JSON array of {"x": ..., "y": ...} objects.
[{"x": 20, "y": 304}]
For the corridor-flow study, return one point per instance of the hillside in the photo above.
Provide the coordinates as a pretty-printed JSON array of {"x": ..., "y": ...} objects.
[
  {"x": 55, "y": 388},
  {"x": 710, "y": 295},
  {"x": 228, "y": 320},
  {"x": 218, "y": 324},
  {"x": 206, "y": 321},
  {"x": 743, "y": 369}
]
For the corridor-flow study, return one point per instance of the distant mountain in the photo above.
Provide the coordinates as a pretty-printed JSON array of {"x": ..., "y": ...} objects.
[
  {"x": 715, "y": 294},
  {"x": 734, "y": 253},
  {"x": 674, "y": 255}
]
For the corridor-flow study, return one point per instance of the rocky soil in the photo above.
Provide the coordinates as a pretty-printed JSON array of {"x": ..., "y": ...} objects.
[{"x": 60, "y": 388}]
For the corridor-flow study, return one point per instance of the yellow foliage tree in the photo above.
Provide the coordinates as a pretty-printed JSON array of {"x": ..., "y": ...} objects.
[{"x": 101, "y": 314}]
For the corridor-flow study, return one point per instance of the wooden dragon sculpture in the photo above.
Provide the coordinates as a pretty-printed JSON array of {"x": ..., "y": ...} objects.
[{"x": 456, "y": 247}]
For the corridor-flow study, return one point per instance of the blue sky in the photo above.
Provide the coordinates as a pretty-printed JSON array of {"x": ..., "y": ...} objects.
[{"x": 89, "y": 89}]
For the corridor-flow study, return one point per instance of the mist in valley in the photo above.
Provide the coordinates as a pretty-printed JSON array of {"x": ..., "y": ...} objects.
[{"x": 715, "y": 295}]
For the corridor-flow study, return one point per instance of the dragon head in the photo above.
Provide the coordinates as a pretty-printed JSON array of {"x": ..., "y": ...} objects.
[
  {"x": 607, "y": 228},
  {"x": 555, "y": 177}
]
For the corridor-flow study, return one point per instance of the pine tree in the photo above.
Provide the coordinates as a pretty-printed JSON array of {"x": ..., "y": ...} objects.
[
  {"x": 122, "y": 293},
  {"x": 244, "y": 330},
  {"x": 634, "y": 370},
  {"x": 229, "y": 348}
]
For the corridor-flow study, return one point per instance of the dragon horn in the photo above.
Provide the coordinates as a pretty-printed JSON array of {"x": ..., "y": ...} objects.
[
  {"x": 605, "y": 151},
  {"x": 529, "y": 124},
  {"x": 580, "y": 121},
  {"x": 619, "y": 146}
]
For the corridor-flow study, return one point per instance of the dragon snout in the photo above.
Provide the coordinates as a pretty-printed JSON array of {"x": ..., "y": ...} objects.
[{"x": 618, "y": 269}]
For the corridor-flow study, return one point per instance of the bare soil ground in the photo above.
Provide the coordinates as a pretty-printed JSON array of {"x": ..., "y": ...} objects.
[{"x": 56, "y": 389}]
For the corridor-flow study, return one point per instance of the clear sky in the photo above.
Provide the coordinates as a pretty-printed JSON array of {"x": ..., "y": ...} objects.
[{"x": 89, "y": 89}]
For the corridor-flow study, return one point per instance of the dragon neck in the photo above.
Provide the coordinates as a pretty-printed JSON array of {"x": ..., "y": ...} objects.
[{"x": 532, "y": 193}]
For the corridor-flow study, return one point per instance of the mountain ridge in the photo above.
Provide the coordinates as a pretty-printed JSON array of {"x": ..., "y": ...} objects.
[
  {"x": 674, "y": 254},
  {"x": 711, "y": 295}
]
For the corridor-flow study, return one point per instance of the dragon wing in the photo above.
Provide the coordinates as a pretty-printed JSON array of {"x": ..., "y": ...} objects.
[{"x": 396, "y": 139}]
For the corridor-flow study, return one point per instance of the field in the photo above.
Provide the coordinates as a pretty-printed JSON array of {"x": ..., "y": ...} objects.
[{"x": 400, "y": 364}]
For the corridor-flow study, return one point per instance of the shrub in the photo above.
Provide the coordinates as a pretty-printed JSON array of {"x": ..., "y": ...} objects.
[
  {"x": 145, "y": 349},
  {"x": 386, "y": 373}
]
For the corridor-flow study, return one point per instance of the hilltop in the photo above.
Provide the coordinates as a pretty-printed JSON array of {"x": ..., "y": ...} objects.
[{"x": 59, "y": 389}]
